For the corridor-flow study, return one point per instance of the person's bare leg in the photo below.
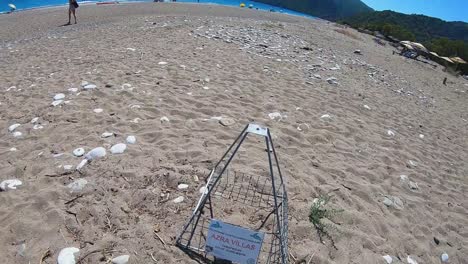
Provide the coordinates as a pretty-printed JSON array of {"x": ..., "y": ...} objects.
[
  {"x": 74, "y": 15},
  {"x": 69, "y": 16}
]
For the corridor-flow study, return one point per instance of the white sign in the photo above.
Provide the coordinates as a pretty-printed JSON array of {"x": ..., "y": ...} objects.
[{"x": 234, "y": 243}]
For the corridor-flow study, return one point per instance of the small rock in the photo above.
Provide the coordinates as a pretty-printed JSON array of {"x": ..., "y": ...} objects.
[
  {"x": 206, "y": 87},
  {"x": 79, "y": 152},
  {"x": 118, "y": 148},
  {"x": 121, "y": 259},
  {"x": 107, "y": 134},
  {"x": 413, "y": 185},
  {"x": 412, "y": 163},
  {"x": 73, "y": 90},
  {"x": 84, "y": 83},
  {"x": 98, "y": 110},
  {"x": 108, "y": 85},
  {"x": 13, "y": 149},
  {"x": 10, "y": 184},
  {"x": 403, "y": 179},
  {"x": 78, "y": 185},
  {"x": 67, "y": 167},
  {"x": 164, "y": 119},
  {"x": 367, "y": 107},
  {"x": 227, "y": 121},
  {"x": 275, "y": 116},
  {"x": 317, "y": 76},
  {"x": 411, "y": 261},
  {"x": 59, "y": 96},
  {"x": 13, "y": 127},
  {"x": 326, "y": 117},
  {"x": 82, "y": 164},
  {"x": 388, "y": 259},
  {"x": 37, "y": 126},
  {"x": 357, "y": 52},
  {"x": 391, "y": 133},
  {"x": 162, "y": 63},
  {"x": 178, "y": 199},
  {"x": 444, "y": 257},
  {"x": 131, "y": 139},
  {"x": 34, "y": 120},
  {"x": 332, "y": 80},
  {"x": 67, "y": 255},
  {"x": 421, "y": 136},
  {"x": 182, "y": 186},
  {"x": 303, "y": 127},
  {"x": 131, "y": 49},
  {"x": 56, "y": 102},
  {"x": 436, "y": 240},
  {"x": 22, "y": 249},
  {"x": 393, "y": 201},
  {"x": 95, "y": 153},
  {"x": 207, "y": 79},
  {"x": 17, "y": 134},
  {"x": 89, "y": 87},
  {"x": 203, "y": 190}
]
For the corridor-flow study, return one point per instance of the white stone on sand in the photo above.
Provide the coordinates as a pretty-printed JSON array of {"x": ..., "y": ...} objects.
[
  {"x": 17, "y": 134},
  {"x": 84, "y": 83},
  {"x": 326, "y": 117},
  {"x": 121, "y": 259},
  {"x": 67, "y": 167},
  {"x": 391, "y": 133},
  {"x": 56, "y": 102},
  {"x": 89, "y": 86},
  {"x": 118, "y": 148},
  {"x": 227, "y": 121},
  {"x": 73, "y": 90},
  {"x": 182, "y": 186},
  {"x": 107, "y": 134},
  {"x": 302, "y": 127},
  {"x": 411, "y": 261},
  {"x": 13, "y": 127},
  {"x": 98, "y": 110},
  {"x": 444, "y": 257},
  {"x": 164, "y": 119},
  {"x": 206, "y": 87},
  {"x": 275, "y": 116},
  {"x": 131, "y": 139},
  {"x": 34, "y": 120},
  {"x": 59, "y": 96},
  {"x": 421, "y": 136},
  {"x": 13, "y": 149},
  {"x": 393, "y": 201},
  {"x": 79, "y": 152},
  {"x": 388, "y": 259},
  {"x": 10, "y": 184},
  {"x": 178, "y": 199},
  {"x": 131, "y": 49},
  {"x": 332, "y": 80},
  {"x": 203, "y": 190},
  {"x": 367, "y": 107},
  {"x": 67, "y": 255},
  {"x": 95, "y": 153},
  {"x": 37, "y": 126},
  {"x": 162, "y": 63},
  {"x": 82, "y": 164},
  {"x": 77, "y": 185}
]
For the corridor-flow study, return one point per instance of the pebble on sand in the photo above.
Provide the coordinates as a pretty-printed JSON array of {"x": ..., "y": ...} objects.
[
  {"x": 131, "y": 140},
  {"x": 332, "y": 80},
  {"x": 178, "y": 199},
  {"x": 34, "y": 120},
  {"x": 13, "y": 127},
  {"x": 391, "y": 133},
  {"x": 59, "y": 96},
  {"x": 421, "y": 136},
  {"x": 78, "y": 152},
  {"x": 275, "y": 116},
  {"x": 77, "y": 185},
  {"x": 164, "y": 119},
  {"x": 95, "y": 153},
  {"x": 326, "y": 117},
  {"x": 182, "y": 186},
  {"x": 162, "y": 63},
  {"x": 17, "y": 134},
  {"x": 203, "y": 190},
  {"x": 444, "y": 257},
  {"x": 56, "y": 102},
  {"x": 98, "y": 110},
  {"x": 73, "y": 90},
  {"x": 367, "y": 107},
  {"x": 118, "y": 148},
  {"x": 388, "y": 259},
  {"x": 227, "y": 121},
  {"x": 303, "y": 127},
  {"x": 67, "y": 255},
  {"x": 84, "y": 83},
  {"x": 393, "y": 201},
  {"x": 82, "y": 164},
  {"x": 67, "y": 167},
  {"x": 89, "y": 86},
  {"x": 10, "y": 184},
  {"x": 107, "y": 134},
  {"x": 121, "y": 259},
  {"x": 36, "y": 127},
  {"x": 411, "y": 261},
  {"x": 13, "y": 149}
]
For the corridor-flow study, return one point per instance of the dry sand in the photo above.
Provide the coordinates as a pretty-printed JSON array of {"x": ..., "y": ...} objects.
[{"x": 350, "y": 156}]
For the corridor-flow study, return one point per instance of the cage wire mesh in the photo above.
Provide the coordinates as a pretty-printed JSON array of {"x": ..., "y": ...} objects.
[{"x": 243, "y": 194}]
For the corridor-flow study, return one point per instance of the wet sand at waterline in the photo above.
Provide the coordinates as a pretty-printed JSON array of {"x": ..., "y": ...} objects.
[{"x": 184, "y": 80}]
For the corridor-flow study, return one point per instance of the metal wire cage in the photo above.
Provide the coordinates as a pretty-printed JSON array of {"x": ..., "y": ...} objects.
[{"x": 256, "y": 201}]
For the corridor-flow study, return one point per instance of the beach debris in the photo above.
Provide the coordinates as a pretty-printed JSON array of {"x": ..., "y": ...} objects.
[
  {"x": 358, "y": 52},
  {"x": 131, "y": 139},
  {"x": 275, "y": 116},
  {"x": 95, "y": 153},
  {"x": 326, "y": 117},
  {"x": 367, "y": 107},
  {"x": 107, "y": 134},
  {"x": 59, "y": 96},
  {"x": 436, "y": 240},
  {"x": 303, "y": 127},
  {"x": 182, "y": 186},
  {"x": 411, "y": 261},
  {"x": 67, "y": 167},
  {"x": 10, "y": 184},
  {"x": 37, "y": 126},
  {"x": 131, "y": 49},
  {"x": 164, "y": 119},
  {"x": 332, "y": 80},
  {"x": 206, "y": 88},
  {"x": 77, "y": 185},
  {"x": 56, "y": 103},
  {"x": 412, "y": 163},
  {"x": 82, "y": 164},
  {"x": 73, "y": 90},
  {"x": 78, "y": 152},
  {"x": 89, "y": 86},
  {"x": 226, "y": 121},
  {"x": 84, "y": 83},
  {"x": 393, "y": 201},
  {"x": 98, "y": 110},
  {"x": 336, "y": 68},
  {"x": 162, "y": 63},
  {"x": 13, "y": 127},
  {"x": 118, "y": 148},
  {"x": 421, "y": 136},
  {"x": 17, "y": 134},
  {"x": 178, "y": 199},
  {"x": 317, "y": 76},
  {"x": 444, "y": 257},
  {"x": 413, "y": 185},
  {"x": 67, "y": 255},
  {"x": 121, "y": 259},
  {"x": 13, "y": 149},
  {"x": 34, "y": 120},
  {"x": 388, "y": 259},
  {"x": 391, "y": 133},
  {"x": 22, "y": 249}
]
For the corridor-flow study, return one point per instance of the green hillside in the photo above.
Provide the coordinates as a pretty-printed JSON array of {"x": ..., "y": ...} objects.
[{"x": 326, "y": 9}]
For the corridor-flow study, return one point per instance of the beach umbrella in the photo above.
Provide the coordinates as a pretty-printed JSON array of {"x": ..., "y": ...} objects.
[
  {"x": 419, "y": 46},
  {"x": 447, "y": 59},
  {"x": 12, "y": 6},
  {"x": 458, "y": 60},
  {"x": 434, "y": 54}
]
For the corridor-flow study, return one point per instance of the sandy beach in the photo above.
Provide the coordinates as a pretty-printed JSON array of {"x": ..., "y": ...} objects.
[{"x": 344, "y": 124}]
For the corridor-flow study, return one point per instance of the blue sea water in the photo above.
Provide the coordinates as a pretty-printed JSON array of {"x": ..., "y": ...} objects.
[{"x": 28, "y": 4}]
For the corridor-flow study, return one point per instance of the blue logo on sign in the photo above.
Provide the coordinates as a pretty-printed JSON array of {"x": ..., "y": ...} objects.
[
  {"x": 216, "y": 225},
  {"x": 256, "y": 236}
]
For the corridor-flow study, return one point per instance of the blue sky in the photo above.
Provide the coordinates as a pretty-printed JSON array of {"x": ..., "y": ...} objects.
[{"x": 450, "y": 10}]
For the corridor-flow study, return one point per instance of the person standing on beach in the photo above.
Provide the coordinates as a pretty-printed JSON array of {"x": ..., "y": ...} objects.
[{"x": 72, "y": 6}]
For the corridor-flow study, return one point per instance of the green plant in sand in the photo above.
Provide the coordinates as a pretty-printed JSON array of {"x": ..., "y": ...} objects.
[{"x": 322, "y": 218}]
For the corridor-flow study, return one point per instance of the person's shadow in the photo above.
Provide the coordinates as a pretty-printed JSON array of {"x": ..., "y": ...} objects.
[{"x": 66, "y": 24}]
